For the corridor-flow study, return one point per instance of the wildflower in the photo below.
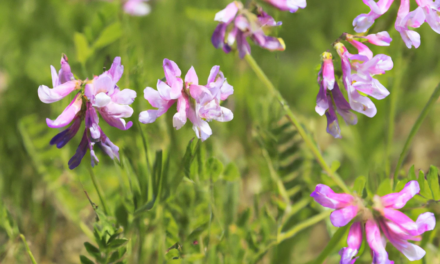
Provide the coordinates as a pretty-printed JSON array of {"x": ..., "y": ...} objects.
[
  {"x": 358, "y": 71},
  {"x": 427, "y": 11},
  {"x": 198, "y": 103},
  {"x": 383, "y": 216},
  {"x": 238, "y": 23},
  {"x": 137, "y": 7},
  {"x": 330, "y": 96},
  {"x": 98, "y": 95},
  {"x": 288, "y": 5}
]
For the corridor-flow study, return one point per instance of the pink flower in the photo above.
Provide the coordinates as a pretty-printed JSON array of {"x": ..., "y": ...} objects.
[
  {"x": 427, "y": 11},
  {"x": 137, "y": 7},
  {"x": 357, "y": 74},
  {"x": 198, "y": 103},
  {"x": 100, "y": 94},
  {"x": 396, "y": 226},
  {"x": 288, "y": 5},
  {"x": 330, "y": 95},
  {"x": 237, "y": 24}
]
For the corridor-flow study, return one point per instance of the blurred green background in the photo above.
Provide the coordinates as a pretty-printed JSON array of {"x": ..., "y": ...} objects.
[{"x": 230, "y": 204}]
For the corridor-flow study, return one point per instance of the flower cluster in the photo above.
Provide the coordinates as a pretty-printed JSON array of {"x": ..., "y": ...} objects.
[
  {"x": 198, "y": 103},
  {"x": 395, "y": 225},
  {"x": 427, "y": 11},
  {"x": 357, "y": 77},
  {"x": 238, "y": 23},
  {"x": 137, "y": 7},
  {"x": 98, "y": 95},
  {"x": 288, "y": 5}
]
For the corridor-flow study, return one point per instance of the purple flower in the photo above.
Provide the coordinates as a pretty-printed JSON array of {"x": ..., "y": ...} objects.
[
  {"x": 330, "y": 96},
  {"x": 357, "y": 75},
  {"x": 137, "y": 7},
  {"x": 427, "y": 11},
  {"x": 237, "y": 24},
  {"x": 198, "y": 103},
  {"x": 396, "y": 226},
  {"x": 98, "y": 95},
  {"x": 288, "y": 5}
]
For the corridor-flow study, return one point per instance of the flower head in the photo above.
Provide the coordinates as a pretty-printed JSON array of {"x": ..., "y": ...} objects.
[
  {"x": 238, "y": 23},
  {"x": 137, "y": 7},
  {"x": 427, "y": 11},
  {"x": 100, "y": 95},
  {"x": 288, "y": 5},
  {"x": 198, "y": 103},
  {"x": 383, "y": 216}
]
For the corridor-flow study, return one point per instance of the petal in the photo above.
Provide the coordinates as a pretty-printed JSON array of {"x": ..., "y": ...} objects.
[
  {"x": 398, "y": 200},
  {"x": 354, "y": 241},
  {"x": 226, "y": 90},
  {"x": 103, "y": 84},
  {"x": 328, "y": 74},
  {"x": 172, "y": 75},
  {"x": 363, "y": 22},
  {"x": 242, "y": 23},
  {"x": 227, "y": 15},
  {"x": 401, "y": 220},
  {"x": 242, "y": 45},
  {"x": 343, "y": 107},
  {"x": 179, "y": 119},
  {"x": 108, "y": 147},
  {"x": 269, "y": 43},
  {"x": 80, "y": 152},
  {"x": 332, "y": 122},
  {"x": 65, "y": 74},
  {"x": 213, "y": 73},
  {"x": 425, "y": 222},
  {"x": 68, "y": 114},
  {"x": 124, "y": 97},
  {"x": 201, "y": 94},
  {"x": 361, "y": 103},
  {"x": 376, "y": 243},
  {"x": 218, "y": 37},
  {"x": 322, "y": 103},
  {"x": 380, "y": 39},
  {"x": 191, "y": 77},
  {"x": 362, "y": 48},
  {"x": 200, "y": 127},
  {"x": 137, "y": 8},
  {"x": 326, "y": 197},
  {"x": 372, "y": 88},
  {"x": 55, "y": 80},
  {"x": 148, "y": 116},
  {"x": 116, "y": 70},
  {"x": 91, "y": 122},
  {"x": 226, "y": 115},
  {"x": 101, "y": 100},
  {"x": 57, "y": 93},
  {"x": 61, "y": 139},
  {"x": 113, "y": 114},
  {"x": 343, "y": 216}
]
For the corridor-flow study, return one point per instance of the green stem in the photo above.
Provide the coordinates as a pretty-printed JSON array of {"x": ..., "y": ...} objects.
[
  {"x": 429, "y": 105},
  {"x": 259, "y": 72},
  {"x": 28, "y": 250},
  {"x": 98, "y": 190},
  {"x": 301, "y": 226}
]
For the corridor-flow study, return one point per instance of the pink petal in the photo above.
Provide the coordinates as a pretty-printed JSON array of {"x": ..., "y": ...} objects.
[
  {"x": 137, "y": 8},
  {"x": 343, "y": 216},
  {"x": 68, "y": 114},
  {"x": 226, "y": 15},
  {"x": 325, "y": 196},
  {"x": 354, "y": 241},
  {"x": 179, "y": 119},
  {"x": 124, "y": 97},
  {"x": 380, "y": 39},
  {"x": 362, "y": 48},
  {"x": 48, "y": 95},
  {"x": 116, "y": 70},
  {"x": 425, "y": 222},
  {"x": 376, "y": 243},
  {"x": 398, "y": 200},
  {"x": 401, "y": 220},
  {"x": 148, "y": 116},
  {"x": 191, "y": 77},
  {"x": 172, "y": 75}
]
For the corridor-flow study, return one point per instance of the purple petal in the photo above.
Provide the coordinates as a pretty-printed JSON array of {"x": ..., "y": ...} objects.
[
  {"x": 108, "y": 147},
  {"x": 343, "y": 107},
  {"x": 398, "y": 200},
  {"x": 61, "y": 139},
  {"x": 80, "y": 152},
  {"x": 376, "y": 243},
  {"x": 242, "y": 45},
  {"x": 218, "y": 37},
  {"x": 343, "y": 216},
  {"x": 354, "y": 241},
  {"x": 326, "y": 197},
  {"x": 322, "y": 102},
  {"x": 332, "y": 122},
  {"x": 116, "y": 70},
  {"x": 65, "y": 74}
]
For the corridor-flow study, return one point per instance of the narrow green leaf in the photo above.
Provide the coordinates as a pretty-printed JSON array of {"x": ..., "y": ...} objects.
[
  {"x": 231, "y": 172},
  {"x": 157, "y": 173},
  {"x": 146, "y": 207},
  {"x": 92, "y": 250},
  {"x": 359, "y": 185},
  {"x": 83, "y": 51},
  {"x": 85, "y": 260},
  {"x": 117, "y": 243},
  {"x": 109, "y": 35},
  {"x": 412, "y": 174},
  {"x": 425, "y": 191},
  {"x": 432, "y": 178},
  {"x": 334, "y": 242},
  {"x": 214, "y": 168}
]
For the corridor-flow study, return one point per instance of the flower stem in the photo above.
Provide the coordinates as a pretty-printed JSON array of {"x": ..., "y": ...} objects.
[
  {"x": 293, "y": 119},
  {"x": 28, "y": 250},
  {"x": 98, "y": 190},
  {"x": 429, "y": 105}
]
